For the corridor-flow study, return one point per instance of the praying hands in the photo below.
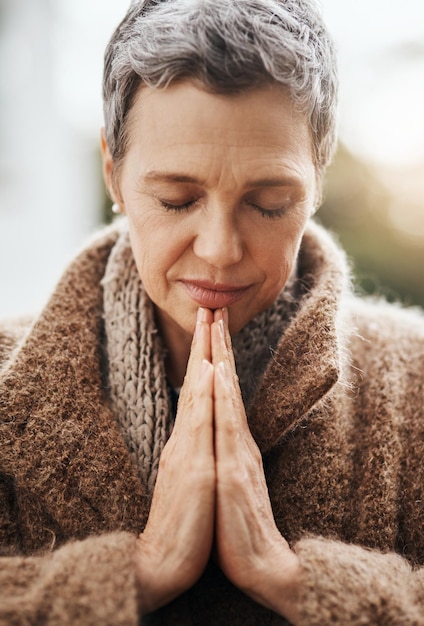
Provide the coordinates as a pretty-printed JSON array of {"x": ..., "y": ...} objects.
[{"x": 211, "y": 491}]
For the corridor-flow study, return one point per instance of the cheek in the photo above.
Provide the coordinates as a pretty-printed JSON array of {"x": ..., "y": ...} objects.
[
  {"x": 278, "y": 253},
  {"x": 157, "y": 244}
]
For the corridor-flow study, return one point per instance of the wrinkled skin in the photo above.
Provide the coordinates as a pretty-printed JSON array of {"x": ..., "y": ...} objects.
[{"x": 211, "y": 490}]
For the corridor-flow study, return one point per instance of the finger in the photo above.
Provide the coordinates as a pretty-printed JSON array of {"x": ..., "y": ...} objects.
[
  {"x": 221, "y": 314},
  {"x": 221, "y": 351},
  {"x": 229, "y": 413},
  {"x": 201, "y": 338},
  {"x": 201, "y": 344},
  {"x": 193, "y": 391},
  {"x": 199, "y": 420},
  {"x": 205, "y": 315},
  {"x": 221, "y": 346},
  {"x": 195, "y": 411}
]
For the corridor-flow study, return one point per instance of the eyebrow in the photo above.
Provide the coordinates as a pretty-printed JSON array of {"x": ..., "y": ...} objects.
[
  {"x": 157, "y": 176},
  {"x": 168, "y": 177}
]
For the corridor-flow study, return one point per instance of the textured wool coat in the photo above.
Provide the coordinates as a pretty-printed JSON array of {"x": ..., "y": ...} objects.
[{"x": 339, "y": 419}]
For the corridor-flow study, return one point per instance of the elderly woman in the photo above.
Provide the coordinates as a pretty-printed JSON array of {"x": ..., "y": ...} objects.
[{"x": 141, "y": 478}]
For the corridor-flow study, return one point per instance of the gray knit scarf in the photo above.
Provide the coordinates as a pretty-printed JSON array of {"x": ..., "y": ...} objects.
[{"x": 139, "y": 391}]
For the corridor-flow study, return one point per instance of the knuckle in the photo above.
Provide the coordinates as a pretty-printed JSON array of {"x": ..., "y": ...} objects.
[
  {"x": 236, "y": 475},
  {"x": 195, "y": 427},
  {"x": 231, "y": 429}
]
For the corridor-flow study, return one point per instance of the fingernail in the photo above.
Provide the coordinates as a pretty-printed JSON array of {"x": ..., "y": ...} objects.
[
  {"x": 201, "y": 314},
  {"x": 221, "y": 329},
  {"x": 225, "y": 315}
]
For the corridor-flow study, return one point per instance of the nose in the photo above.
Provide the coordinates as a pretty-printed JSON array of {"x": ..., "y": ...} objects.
[{"x": 218, "y": 240}]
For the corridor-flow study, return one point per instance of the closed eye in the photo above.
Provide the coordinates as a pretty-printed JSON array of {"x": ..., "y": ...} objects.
[
  {"x": 178, "y": 208},
  {"x": 271, "y": 214}
]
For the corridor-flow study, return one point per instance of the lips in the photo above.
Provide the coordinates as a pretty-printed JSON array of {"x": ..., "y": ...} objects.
[{"x": 214, "y": 296}]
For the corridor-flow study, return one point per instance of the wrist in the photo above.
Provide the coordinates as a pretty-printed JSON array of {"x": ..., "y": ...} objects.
[
  {"x": 153, "y": 585},
  {"x": 287, "y": 590},
  {"x": 279, "y": 589}
]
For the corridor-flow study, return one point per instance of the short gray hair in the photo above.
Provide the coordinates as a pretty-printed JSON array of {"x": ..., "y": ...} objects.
[{"x": 228, "y": 46}]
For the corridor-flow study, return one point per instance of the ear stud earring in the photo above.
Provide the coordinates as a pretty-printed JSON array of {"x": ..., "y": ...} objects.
[{"x": 116, "y": 209}]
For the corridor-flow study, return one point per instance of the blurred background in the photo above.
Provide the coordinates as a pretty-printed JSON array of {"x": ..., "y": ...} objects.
[{"x": 51, "y": 191}]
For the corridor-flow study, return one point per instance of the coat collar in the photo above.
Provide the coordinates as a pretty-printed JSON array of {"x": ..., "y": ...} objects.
[
  {"x": 308, "y": 359},
  {"x": 60, "y": 440}
]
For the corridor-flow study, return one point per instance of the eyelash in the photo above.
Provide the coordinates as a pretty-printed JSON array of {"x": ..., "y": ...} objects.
[
  {"x": 178, "y": 208},
  {"x": 271, "y": 214}
]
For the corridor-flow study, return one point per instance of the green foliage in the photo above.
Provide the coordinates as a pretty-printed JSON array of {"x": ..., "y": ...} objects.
[{"x": 356, "y": 208}]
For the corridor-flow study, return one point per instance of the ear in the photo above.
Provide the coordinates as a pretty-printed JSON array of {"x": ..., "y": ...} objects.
[{"x": 108, "y": 166}]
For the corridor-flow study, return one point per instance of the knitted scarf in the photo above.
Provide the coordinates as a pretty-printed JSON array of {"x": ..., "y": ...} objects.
[{"x": 140, "y": 395}]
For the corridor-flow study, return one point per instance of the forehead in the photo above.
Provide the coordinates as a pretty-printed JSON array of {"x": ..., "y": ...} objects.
[
  {"x": 184, "y": 106},
  {"x": 184, "y": 124}
]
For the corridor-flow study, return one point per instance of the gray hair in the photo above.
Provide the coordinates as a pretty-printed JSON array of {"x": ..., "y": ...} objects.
[{"x": 228, "y": 46}]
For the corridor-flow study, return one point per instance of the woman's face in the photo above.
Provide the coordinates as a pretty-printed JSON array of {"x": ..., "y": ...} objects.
[{"x": 217, "y": 190}]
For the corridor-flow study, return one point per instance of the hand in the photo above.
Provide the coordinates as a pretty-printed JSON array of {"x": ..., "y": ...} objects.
[
  {"x": 174, "y": 548},
  {"x": 251, "y": 551}
]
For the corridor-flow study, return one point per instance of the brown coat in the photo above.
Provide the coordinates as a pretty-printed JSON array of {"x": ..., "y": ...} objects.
[{"x": 339, "y": 418}]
